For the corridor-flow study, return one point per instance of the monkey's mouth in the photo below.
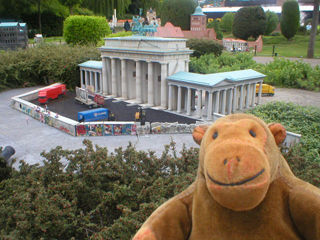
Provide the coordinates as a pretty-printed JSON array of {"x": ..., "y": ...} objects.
[{"x": 236, "y": 183}]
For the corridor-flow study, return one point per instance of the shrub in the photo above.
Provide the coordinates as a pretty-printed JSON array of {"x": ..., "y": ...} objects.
[
  {"x": 302, "y": 30},
  {"x": 290, "y": 19},
  {"x": 291, "y": 116},
  {"x": 225, "y": 62},
  {"x": 272, "y": 22},
  {"x": 85, "y": 30},
  {"x": 249, "y": 22},
  {"x": 292, "y": 74},
  {"x": 274, "y": 34},
  {"x": 44, "y": 64},
  {"x": 98, "y": 195},
  {"x": 204, "y": 46}
]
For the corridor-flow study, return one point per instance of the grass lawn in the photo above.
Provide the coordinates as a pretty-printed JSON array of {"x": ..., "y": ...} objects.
[{"x": 298, "y": 47}]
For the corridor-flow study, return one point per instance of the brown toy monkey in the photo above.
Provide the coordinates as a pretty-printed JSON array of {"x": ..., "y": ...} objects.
[{"x": 244, "y": 190}]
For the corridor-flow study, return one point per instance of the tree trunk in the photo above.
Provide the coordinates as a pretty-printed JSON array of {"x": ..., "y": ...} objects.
[
  {"x": 313, "y": 32},
  {"x": 71, "y": 10},
  {"x": 39, "y": 17}
]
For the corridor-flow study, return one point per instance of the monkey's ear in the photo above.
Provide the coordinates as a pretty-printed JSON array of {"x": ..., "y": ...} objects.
[
  {"x": 198, "y": 133},
  {"x": 278, "y": 131}
]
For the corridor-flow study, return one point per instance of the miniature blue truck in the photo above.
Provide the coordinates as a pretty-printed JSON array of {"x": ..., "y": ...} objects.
[{"x": 93, "y": 115}]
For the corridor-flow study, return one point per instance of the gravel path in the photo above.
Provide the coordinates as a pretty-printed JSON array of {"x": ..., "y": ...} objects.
[{"x": 297, "y": 96}]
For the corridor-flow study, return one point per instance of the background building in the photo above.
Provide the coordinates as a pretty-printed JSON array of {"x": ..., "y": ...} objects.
[{"x": 13, "y": 35}]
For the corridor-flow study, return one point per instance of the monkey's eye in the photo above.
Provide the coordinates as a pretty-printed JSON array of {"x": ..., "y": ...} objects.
[
  {"x": 215, "y": 135},
  {"x": 252, "y": 133}
]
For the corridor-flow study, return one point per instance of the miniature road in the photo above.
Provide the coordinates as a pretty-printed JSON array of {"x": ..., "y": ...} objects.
[{"x": 29, "y": 137}]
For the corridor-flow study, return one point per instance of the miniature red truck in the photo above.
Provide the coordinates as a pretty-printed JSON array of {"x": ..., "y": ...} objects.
[{"x": 53, "y": 92}]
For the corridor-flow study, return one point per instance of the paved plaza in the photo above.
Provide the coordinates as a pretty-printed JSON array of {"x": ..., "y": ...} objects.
[{"x": 29, "y": 137}]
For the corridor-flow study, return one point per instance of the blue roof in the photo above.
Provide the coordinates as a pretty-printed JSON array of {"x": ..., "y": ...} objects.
[
  {"x": 146, "y": 38},
  {"x": 215, "y": 78},
  {"x": 91, "y": 64},
  {"x": 198, "y": 12},
  {"x": 9, "y": 24}
]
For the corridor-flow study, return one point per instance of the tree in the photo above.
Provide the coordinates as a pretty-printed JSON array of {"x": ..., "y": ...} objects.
[
  {"x": 217, "y": 29},
  {"x": 85, "y": 30},
  {"x": 178, "y": 12},
  {"x": 249, "y": 22},
  {"x": 272, "y": 22},
  {"x": 14, "y": 8},
  {"x": 227, "y": 21},
  {"x": 216, "y": 25},
  {"x": 313, "y": 32},
  {"x": 70, "y": 4},
  {"x": 290, "y": 19},
  {"x": 105, "y": 7}
]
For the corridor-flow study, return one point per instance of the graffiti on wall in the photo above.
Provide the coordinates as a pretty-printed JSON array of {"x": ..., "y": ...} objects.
[{"x": 105, "y": 129}]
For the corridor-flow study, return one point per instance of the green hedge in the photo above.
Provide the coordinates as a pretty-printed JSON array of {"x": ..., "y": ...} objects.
[
  {"x": 298, "y": 119},
  {"x": 102, "y": 195},
  {"x": 98, "y": 194},
  {"x": 292, "y": 74},
  {"x": 85, "y": 30},
  {"x": 209, "y": 63},
  {"x": 204, "y": 46},
  {"x": 44, "y": 64}
]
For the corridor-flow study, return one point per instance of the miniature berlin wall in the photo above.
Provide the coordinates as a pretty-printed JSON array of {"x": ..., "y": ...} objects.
[{"x": 111, "y": 128}]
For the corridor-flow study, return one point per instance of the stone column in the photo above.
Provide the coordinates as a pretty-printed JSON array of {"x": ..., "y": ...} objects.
[
  {"x": 209, "y": 116},
  {"x": 248, "y": 96},
  {"x": 253, "y": 94},
  {"x": 100, "y": 80},
  {"x": 170, "y": 97},
  {"x": 164, "y": 85},
  {"x": 224, "y": 99},
  {"x": 189, "y": 102},
  {"x": 186, "y": 66},
  {"x": 124, "y": 82},
  {"x": 95, "y": 82},
  {"x": 114, "y": 77},
  {"x": 199, "y": 104},
  {"x": 150, "y": 84},
  {"x": 179, "y": 100},
  {"x": 230, "y": 101},
  {"x": 241, "y": 97},
  {"x": 105, "y": 72},
  {"x": 91, "y": 79},
  {"x": 85, "y": 78},
  {"x": 235, "y": 100},
  {"x": 260, "y": 92},
  {"x": 81, "y": 79},
  {"x": 138, "y": 82},
  {"x": 217, "y": 102}
]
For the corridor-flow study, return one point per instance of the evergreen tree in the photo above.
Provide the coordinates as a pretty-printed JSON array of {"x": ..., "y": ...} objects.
[
  {"x": 227, "y": 21},
  {"x": 70, "y": 4},
  {"x": 249, "y": 22},
  {"x": 178, "y": 12},
  {"x": 272, "y": 22},
  {"x": 290, "y": 19}
]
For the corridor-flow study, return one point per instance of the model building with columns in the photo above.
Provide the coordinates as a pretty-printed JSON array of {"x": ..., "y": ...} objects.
[
  {"x": 154, "y": 72},
  {"x": 136, "y": 68}
]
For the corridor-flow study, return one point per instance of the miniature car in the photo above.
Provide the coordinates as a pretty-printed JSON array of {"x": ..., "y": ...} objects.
[{"x": 266, "y": 89}]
